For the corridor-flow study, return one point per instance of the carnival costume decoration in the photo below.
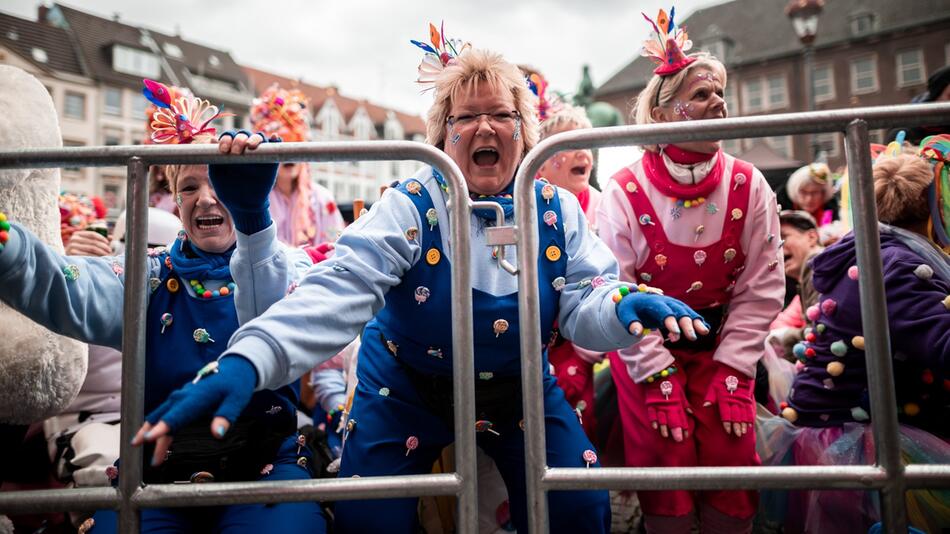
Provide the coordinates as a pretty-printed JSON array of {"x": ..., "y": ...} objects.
[
  {"x": 174, "y": 93},
  {"x": 180, "y": 120},
  {"x": 438, "y": 56},
  {"x": 936, "y": 148},
  {"x": 282, "y": 113},
  {"x": 667, "y": 47},
  {"x": 547, "y": 105}
]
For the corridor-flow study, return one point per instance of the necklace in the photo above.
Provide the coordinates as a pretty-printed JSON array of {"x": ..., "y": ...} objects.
[{"x": 208, "y": 294}]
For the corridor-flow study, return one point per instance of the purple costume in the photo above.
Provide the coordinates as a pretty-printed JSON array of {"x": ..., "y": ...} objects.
[
  {"x": 826, "y": 420},
  {"x": 832, "y": 388}
]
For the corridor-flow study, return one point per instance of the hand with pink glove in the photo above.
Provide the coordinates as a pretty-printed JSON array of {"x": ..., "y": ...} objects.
[
  {"x": 731, "y": 391},
  {"x": 667, "y": 406}
]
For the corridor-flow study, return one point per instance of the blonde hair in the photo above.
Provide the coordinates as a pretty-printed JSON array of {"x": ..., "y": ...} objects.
[
  {"x": 463, "y": 75},
  {"x": 172, "y": 171},
  {"x": 660, "y": 90},
  {"x": 816, "y": 173},
  {"x": 900, "y": 189},
  {"x": 568, "y": 116}
]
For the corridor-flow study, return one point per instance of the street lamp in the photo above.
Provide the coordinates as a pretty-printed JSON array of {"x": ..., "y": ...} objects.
[{"x": 804, "y": 15}]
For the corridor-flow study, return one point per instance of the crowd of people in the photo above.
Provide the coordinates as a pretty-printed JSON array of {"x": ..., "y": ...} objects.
[{"x": 281, "y": 346}]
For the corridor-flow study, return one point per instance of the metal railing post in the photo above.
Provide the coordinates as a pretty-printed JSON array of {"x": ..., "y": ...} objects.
[
  {"x": 529, "y": 313},
  {"x": 133, "y": 342},
  {"x": 877, "y": 338}
]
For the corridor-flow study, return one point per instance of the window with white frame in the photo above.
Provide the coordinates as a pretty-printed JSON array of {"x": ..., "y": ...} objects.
[
  {"x": 139, "y": 106},
  {"x": 823, "y": 83},
  {"x": 828, "y": 143},
  {"x": 910, "y": 67},
  {"x": 732, "y": 102},
  {"x": 112, "y": 101},
  {"x": 74, "y": 105},
  {"x": 135, "y": 62},
  {"x": 782, "y": 145},
  {"x": 778, "y": 91},
  {"x": 862, "y": 23},
  {"x": 864, "y": 75},
  {"x": 752, "y": 99}
]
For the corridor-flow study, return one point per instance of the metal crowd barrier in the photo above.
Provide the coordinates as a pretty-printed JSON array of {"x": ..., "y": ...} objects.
[
  {"x": 132, "y": 495},
  {"x": 888, "y": 476}
]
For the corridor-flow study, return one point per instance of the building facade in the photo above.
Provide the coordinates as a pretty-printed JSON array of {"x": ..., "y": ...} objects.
[
  {"x": 867, "y": 53},
  {"x": 93, "y": 68}
]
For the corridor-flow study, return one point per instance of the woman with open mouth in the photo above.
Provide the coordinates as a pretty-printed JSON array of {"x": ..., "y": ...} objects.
[
  {"x": 192, "y": 311},
  {"x": 390, "y": 279},
  {"x": 702, "y": 226}
]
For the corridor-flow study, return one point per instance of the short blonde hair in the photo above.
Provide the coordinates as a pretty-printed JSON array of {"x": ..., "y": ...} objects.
[
  {"x": 900, "y": 189},
  {"x": 567, "y": 116},
  {"x": 816, "y": 173},
  {"x": 660, "y": 90},
  {"x": 464, "y": 74},
  {"x": 172, "y": 171}
]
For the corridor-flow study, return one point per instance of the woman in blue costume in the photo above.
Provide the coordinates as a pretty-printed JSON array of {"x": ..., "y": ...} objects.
[
  {"x": 193, "y": 309},
  {"x": 390, "y": 279}
]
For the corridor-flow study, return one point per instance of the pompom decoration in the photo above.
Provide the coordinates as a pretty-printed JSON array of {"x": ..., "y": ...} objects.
[
  {"x": 283, "y": 113},
  {"x": 667, "y": 46},
  {"x": 439, "y": 55},
  {"x": 853, "y": 272},
  {"x": 812, "y": 313},
  {"x": 858, "y": 342},
  {"x": 859, "y": 414},
  {"x": 924, "y": 272},
  {"x": 839, "y": 348},
  {"x": 828, "y": 307}
]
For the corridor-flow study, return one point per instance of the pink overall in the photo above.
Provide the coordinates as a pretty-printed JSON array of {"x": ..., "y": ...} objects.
[{"x": 704, "y": 278}]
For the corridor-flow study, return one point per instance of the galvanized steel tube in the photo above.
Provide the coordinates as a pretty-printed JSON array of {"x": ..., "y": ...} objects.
[{"x": 877, "y": 337}]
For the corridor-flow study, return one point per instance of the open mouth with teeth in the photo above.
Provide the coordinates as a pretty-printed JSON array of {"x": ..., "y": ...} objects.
[
  {"x": 485, "y": 157},
  {"x": 580, "y": 170},
  {"x": 209, "y": 222}
]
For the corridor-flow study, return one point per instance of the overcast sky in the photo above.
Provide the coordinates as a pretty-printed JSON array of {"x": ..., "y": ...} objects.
[{"x": 362, "y": 46}]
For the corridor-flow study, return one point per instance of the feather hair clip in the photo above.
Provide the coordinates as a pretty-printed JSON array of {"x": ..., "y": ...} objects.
[
  {"x": 546, "y": 105},
  {"x": 180, "y": 120},
  {"x": 439, "y": 55},
  {"x": 667, "y": 47}
]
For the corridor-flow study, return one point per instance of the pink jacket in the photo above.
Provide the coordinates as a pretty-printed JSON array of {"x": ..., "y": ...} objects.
[{"x": 759, "y": 291}]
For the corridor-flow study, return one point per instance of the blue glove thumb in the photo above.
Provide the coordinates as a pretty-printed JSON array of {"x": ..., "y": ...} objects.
[
  {"x": 224, "y": 392},
  {"x": 244, "y": 188}
]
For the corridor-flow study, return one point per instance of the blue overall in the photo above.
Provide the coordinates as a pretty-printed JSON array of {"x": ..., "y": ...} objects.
[
  {"x": 173, "y": 357},
  {"x": 413, "y": 334}
]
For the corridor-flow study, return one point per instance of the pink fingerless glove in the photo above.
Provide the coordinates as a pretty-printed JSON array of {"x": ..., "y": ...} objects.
[
  {"x": 731, "y": 391},
  {"x": 666, "y": 402}
]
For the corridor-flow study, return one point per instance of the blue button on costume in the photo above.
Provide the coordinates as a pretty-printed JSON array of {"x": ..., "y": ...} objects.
[{"x": 414, "y": 331}]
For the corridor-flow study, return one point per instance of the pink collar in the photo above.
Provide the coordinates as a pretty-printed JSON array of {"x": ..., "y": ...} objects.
[{"x": 659, "y": 176}]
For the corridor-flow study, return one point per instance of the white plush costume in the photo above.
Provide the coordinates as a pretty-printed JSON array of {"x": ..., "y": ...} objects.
[{"x": 40, "y": 373}]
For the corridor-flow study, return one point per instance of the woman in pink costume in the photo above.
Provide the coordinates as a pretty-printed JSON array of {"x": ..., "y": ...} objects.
[
  {"x": 305, "y": 212},
  {"x": 702, "y": 226}
]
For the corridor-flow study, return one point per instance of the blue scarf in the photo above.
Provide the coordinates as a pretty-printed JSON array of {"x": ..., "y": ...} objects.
[
  {"x": 192, "y": 263},
  {"x": 505, "y": 198}
]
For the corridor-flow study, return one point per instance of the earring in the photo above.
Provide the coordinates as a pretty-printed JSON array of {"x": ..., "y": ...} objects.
[
  {"x": 517, "y": 134},
  {"x": 456, "y": 138},
  {"x": 178, "y": 199}
]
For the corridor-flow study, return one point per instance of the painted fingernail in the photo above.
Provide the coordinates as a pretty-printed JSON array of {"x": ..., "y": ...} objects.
[{"x": 220, "y": 430}]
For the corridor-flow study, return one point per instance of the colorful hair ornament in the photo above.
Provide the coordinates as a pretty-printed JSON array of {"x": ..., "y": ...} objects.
[
  {"x": 283, "y": 113},
  {"x": 936, "y": 148},
  {"x": 179, "y": 120},
  {"x": 157, "y": 101},
  {"x": 668, "y": 45},
  {"x": 546, "y": 105},
  {"x": 438, "y": 56}
]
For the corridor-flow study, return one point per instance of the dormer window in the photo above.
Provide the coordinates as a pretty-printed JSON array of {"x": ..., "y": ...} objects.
[
  {"x": 862, "y": 24},
  {"x": 719, "y": 48},
  {"x": 39, "y": 55},
  {"x": 172, "y": 50},
  {"x": 135, "y": 62}
]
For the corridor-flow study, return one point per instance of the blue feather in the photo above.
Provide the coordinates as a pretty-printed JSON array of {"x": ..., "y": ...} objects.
[
  {"x": 672, "y": 13},
  {"x": 424, "y": 46},
  {"x": 151, "y": 98}
]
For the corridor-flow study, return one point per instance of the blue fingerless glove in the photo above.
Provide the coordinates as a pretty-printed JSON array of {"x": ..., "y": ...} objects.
[
  {"x": 244, "y": 189},
  {"x": 651, "y": 309},
  {"x": 224, "y": 393}
]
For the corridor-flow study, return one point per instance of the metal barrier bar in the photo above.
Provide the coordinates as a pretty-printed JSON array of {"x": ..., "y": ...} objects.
[
  {"x": 856, "y": 121},
  {"x": 877, "y": 338},
  {"x": 131, "y": 498},
  {"x": 704, "y": 478},
  {"x": 133, "y": 341}
]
